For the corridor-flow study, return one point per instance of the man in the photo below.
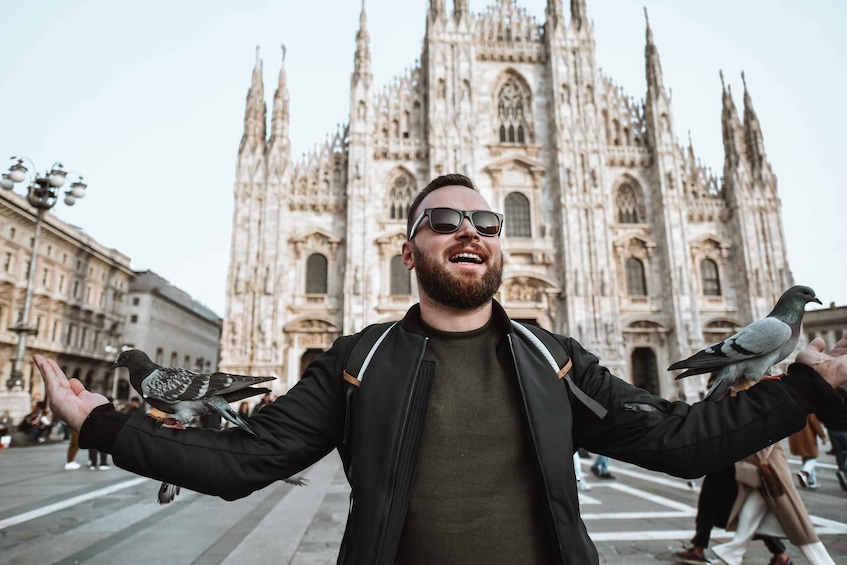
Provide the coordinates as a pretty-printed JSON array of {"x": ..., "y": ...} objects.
[{"x": 458, "y": 445}]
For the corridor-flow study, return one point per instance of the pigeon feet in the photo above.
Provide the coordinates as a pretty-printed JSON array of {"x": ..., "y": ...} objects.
[{"x": 173, "y": 423}]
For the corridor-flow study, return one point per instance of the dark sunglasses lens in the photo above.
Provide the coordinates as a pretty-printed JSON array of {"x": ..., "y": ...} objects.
[
  {"x": 444, "y": 220},
  {"x": 486, "y": 223}
]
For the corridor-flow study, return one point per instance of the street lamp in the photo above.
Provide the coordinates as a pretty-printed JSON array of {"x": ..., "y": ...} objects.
[{"x": 42, "y": 194}]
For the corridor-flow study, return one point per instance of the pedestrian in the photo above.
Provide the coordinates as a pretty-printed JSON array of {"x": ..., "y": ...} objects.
[
  {"x": 73, "y": 449},
  {"x": 264, "y": 401},
  {"x": 804, "y": 444},
  {"x": 5, "y": 423},
  {"x": 458, "y": 439},
  {"x": 835, "y": 420},
  {"x": 600, "y": 468},
  {"x": 133, "y": 406},
  {"x": 38, "y": 423},
  {"x": 768, "y": 504},
  {"x": 714, "y": 504},
  {"x": 244, "y": 410},
  {"x": 581, "y": 483}
]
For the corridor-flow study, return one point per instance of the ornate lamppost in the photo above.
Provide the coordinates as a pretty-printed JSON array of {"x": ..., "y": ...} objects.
[{"x": 42, "y": 194}]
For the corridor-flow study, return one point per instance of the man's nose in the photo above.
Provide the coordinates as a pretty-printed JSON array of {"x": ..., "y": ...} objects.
[{"x": 466, "y": 229}]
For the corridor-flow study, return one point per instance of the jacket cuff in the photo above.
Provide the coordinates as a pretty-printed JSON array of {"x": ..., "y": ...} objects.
[
  {"x": 809, "y": 389},
  {"x": 101, "y": 428}
]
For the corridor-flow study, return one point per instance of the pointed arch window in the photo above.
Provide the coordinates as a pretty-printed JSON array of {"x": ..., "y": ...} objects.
[
  {"x": 627, "y": 205},
  {"x": 519, "y": 222},
  {"x": 401, "y": 193},
  {"x": 709, "y": 277},
  {"x": 511, "y": 113},
  {"x": 401, "y": 280},
  {"x": 316, "y": 271},
  {"x": 636, "y": 284}
]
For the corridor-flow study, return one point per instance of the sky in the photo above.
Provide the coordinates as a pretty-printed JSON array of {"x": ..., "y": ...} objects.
[{"x": 146, "y": 100}]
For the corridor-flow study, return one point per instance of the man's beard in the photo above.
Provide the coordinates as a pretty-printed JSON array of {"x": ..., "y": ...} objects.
[{"x": 455, "y": 290}]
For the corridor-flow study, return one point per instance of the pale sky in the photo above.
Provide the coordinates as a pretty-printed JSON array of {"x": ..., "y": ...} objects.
[{"x": 146, "y": 100}]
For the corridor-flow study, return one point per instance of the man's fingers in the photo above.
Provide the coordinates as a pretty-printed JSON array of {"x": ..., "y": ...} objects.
[
  {"x": 818, "y": 343},
  {"x": 77, "y": 387}
]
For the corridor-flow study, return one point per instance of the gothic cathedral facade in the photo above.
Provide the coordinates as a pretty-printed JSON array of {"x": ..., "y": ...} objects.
[{"x": 615, "y": 233}]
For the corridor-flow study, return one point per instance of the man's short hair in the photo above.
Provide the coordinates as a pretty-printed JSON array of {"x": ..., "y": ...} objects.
[{"x": 454, "y": 179}]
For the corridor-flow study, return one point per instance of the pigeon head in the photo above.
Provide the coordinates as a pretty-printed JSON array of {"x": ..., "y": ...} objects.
[
  {"x": 133, "y": 359},
  {"x": 791, "y": 305}
]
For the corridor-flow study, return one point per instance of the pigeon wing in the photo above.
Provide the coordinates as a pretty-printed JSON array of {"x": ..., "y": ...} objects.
[
  {"x": 759, "y": 338},
  {"x": 175, "y": 384}
]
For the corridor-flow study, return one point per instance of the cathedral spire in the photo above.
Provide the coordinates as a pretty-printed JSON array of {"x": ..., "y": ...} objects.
[
  {"x": 437, "y": 11},
  {"x": 655, "y": 81},
  {"x": 461, "y": 9},
  {"x": 279, "y": 119},
  {"x": 578, "y": 13},
  {"x": 753, "y": 131},
  {"x": 733, "y": 142},
  {"x": 362, "y": 66},
  {"x": 255, "y": 114},
  {"x": 555, "y": 17}
]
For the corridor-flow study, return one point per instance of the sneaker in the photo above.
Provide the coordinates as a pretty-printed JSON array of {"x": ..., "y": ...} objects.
[
  {"x": 842, "y": 478},
  {"x": 803, "y": 479},
  {"x": 775, "y": 560},
  {"x": 595, "y": 471},
  {"x": 815, "y": 484},
  {"x": 690, "y": 557},
  {"x": 92, "y": 467},
  {"x": 607, "y": 475},
  {"x": 105, "y": 467},
  {"x": 72, "y": 466}
]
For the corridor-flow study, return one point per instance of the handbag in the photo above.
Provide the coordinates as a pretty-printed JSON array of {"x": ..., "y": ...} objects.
[
  {"x": 748, "y": 474},
  {"x": 770, "y": 480}
]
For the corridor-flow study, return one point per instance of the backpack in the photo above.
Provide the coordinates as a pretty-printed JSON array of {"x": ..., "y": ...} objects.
[{"x": 549, "y": 347}]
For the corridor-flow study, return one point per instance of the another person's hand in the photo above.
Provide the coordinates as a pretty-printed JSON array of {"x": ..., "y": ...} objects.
[
  {"x": 69, "y": 400},
  {"x": 831, "y": 365}
]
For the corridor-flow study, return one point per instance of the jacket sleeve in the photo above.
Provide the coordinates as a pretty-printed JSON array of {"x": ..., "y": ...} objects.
[
  {"x": 295, "y": 431},
  {"x": 674, "y": 437}
]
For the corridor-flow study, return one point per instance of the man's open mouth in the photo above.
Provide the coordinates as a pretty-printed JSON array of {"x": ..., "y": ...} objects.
[{"x": 472, "y": 258}]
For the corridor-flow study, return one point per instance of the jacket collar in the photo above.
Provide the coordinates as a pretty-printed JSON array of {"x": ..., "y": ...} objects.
[{"x": 412, "y": 321}]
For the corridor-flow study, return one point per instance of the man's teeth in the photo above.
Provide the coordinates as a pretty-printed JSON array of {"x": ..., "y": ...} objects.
[{"x": 466, "y": 258}]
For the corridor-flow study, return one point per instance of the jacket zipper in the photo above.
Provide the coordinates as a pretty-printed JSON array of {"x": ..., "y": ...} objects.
[
  {"x": 534, "y": 444},
  {"x": 402, "y": 471}
]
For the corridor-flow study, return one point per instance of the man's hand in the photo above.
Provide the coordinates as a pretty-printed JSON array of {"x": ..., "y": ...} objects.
[
  {"x": 832, "y": 365},
  {"x": 69, "y": 400}
]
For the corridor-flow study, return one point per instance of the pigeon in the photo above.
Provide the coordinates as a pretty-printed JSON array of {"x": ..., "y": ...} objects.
[
  {"x": 189, "y": 395},
  {"x": 750, "y": 353}
]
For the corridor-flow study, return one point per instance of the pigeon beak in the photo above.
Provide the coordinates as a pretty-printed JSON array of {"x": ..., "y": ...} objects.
[
  {"x": 816, "y": 299},
  {"x": 114, "y": 366}
]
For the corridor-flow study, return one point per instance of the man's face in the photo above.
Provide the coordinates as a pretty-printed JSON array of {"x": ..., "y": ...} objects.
[{"x": 444, "y": 274}]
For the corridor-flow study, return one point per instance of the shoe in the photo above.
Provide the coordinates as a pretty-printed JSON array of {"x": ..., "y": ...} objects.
[
  {"x": 105, "y": 467},
  {"x": 72, "y": 466},
  {"x": 595, "y": 471},
  {"x": 582, "y": 485},
  {"x": 842, "y": 478},
  {"x": 803, "y": 479},
  {"x": 41, "y": 440},
  {"x": 607, "y": 475},
  {"x": 815, "y": 485},
  {"x": 92, "y": 467},
  {"x": 775, "y": 560},
  {"x": 689, "y": 556}
]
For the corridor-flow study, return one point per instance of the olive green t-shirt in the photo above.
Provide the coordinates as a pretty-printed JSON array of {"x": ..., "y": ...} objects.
[{"x": 475, "y": 495}]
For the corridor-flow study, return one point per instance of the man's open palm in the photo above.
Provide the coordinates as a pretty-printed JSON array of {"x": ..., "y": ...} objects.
[
  {"x": 832, "y": 365},
  {"x": 69, "y": 400}
]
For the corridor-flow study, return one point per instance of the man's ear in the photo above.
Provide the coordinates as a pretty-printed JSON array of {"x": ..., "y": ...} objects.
[{"x": 408, "y": 256}]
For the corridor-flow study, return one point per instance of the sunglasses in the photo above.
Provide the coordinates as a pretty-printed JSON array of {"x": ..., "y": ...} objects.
[{"x": 448, "y": 220}]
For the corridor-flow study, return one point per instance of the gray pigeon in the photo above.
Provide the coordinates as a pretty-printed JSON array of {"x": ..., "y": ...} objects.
[
  {"x": 189, "y": 395},
  {"x": 750, "y": 353}
]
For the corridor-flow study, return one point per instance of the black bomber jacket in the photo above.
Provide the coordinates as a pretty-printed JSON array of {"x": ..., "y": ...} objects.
[{"x": 385, "y": 416}]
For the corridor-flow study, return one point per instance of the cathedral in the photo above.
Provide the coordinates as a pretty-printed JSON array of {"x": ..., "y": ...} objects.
[{"x": 615, "y": 233}]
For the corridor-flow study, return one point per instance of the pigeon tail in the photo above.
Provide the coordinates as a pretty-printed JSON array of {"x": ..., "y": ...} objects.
[
  {"x": 167, "y": 492},
  {"x": 220, "y": 406}
]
